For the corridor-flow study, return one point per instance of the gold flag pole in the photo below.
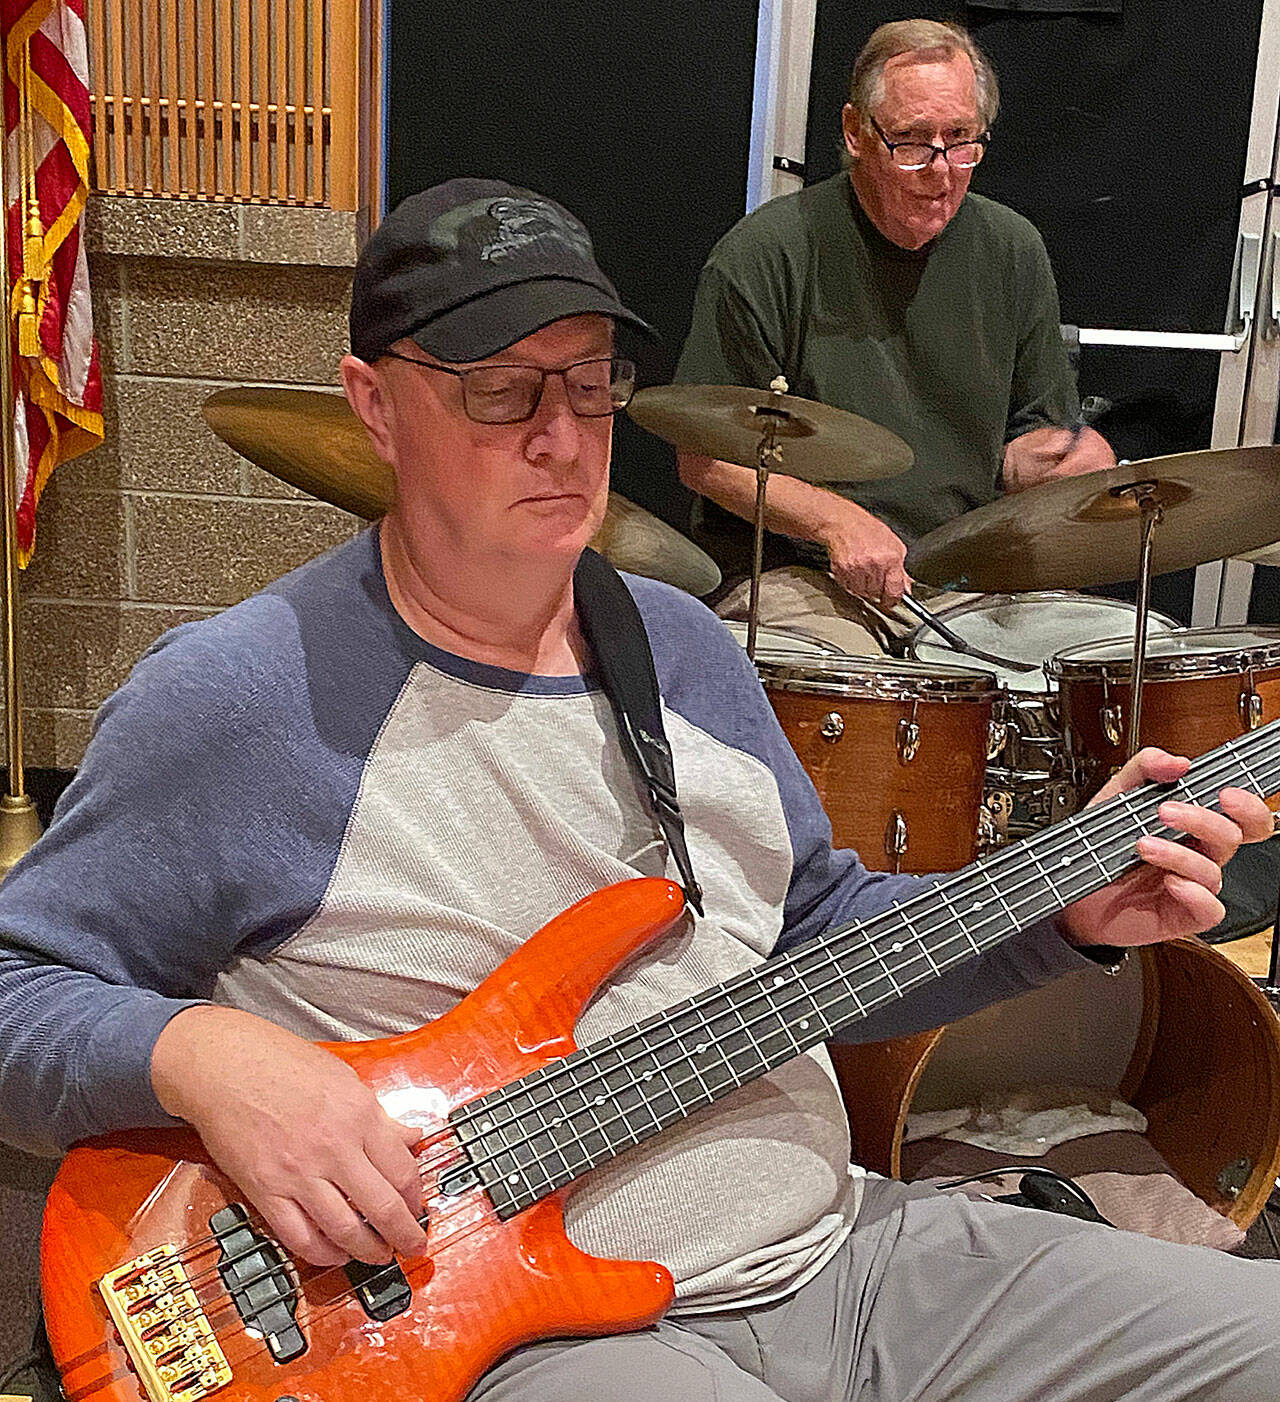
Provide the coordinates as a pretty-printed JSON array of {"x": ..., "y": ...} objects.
[{"x": 19, "y": 825}]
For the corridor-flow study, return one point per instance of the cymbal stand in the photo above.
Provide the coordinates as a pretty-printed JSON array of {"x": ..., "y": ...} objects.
[
  {"x": 1144, "y": 495},
  {"x": 768, "y": 455}
]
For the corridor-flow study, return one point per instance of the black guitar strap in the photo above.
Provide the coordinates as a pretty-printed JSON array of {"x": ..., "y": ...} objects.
[{"x": 615, "y": 631}]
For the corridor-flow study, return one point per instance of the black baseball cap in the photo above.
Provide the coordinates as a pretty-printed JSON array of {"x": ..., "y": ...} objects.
[{"x": 472, "y": 266}]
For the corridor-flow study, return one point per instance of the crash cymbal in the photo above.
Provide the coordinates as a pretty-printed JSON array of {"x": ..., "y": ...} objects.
[
  {"x": 1080, "y": 531},
  {"x": 312, "y": 440},
  {"x": 817, "y": 443},
  {"x": 308, "y": 438}
]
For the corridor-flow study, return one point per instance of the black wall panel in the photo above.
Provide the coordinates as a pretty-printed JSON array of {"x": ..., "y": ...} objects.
[{"x": 636, "y": 117}]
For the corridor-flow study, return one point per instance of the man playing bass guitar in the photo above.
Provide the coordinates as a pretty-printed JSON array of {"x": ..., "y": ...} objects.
[{"x": 334, "y": 810}]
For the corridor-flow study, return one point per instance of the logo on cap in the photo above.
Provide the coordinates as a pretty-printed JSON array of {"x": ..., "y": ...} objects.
[{"x": 524, "y": 222}]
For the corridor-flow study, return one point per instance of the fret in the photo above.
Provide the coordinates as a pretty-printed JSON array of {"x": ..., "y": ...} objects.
[{"x": 959, "y": 919}]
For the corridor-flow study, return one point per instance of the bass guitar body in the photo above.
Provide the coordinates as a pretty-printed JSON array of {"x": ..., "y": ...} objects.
[{"x": 160, "y": 1284}]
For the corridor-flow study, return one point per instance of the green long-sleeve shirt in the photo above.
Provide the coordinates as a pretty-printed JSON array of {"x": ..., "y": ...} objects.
[{"x": 956, "y": 347}]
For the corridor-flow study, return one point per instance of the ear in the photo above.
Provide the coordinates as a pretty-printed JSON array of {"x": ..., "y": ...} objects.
[
  {"x": 851, "y": 125},
  {"x": 365, "y": 394}
]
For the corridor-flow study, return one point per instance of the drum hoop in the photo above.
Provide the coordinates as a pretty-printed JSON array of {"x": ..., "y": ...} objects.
[
  {"x": 1172, "y": 666},
  {"x": 884, "y": 685}
]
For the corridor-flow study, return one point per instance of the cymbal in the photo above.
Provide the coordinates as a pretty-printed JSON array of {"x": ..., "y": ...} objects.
[
  {"x": 308, "y": 438},
  {"x": 817, "y": 443},
  {"x": 312, "y": 440},
  {"x": 1080, "y": 531}
]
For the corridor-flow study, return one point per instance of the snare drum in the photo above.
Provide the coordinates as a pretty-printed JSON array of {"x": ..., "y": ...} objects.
[
  {"x": 1029, "y": 783},
  {"x": 896, "y": 749},
  {"x": 1202, "y": 686}
]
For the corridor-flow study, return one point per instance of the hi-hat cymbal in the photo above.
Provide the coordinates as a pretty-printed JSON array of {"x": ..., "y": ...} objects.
[
  {"x": 312, "y": 440},
  {"x": 817, "y": 443},
  {"x": 1080, "y": 531}
]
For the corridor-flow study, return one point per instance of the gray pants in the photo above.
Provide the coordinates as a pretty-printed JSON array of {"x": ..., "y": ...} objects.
[{"x": 940, "y": 1296}]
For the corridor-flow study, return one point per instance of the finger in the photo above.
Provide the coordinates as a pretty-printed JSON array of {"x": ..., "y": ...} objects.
[
  {"x": 1216, "y": 835},
  {"x": 1249, "y": 813},
  {"x": 896, "y": 585},
  {"x": 1202, "y": 910},
  {"x": 1148, "y": 766},
  {"x": 342, "y": 1226},
  {"x": 389, "y": 1197},
  {"x": 1182, "y": 860},
  {"x": 298, "y": 1234}
]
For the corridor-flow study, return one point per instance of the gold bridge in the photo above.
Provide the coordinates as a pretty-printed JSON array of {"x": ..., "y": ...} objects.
[{"x": 163, "y": 1328}]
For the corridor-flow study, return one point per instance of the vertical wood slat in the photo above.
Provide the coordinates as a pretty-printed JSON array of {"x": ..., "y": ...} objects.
[
  {"x": 149, "y": 40},
  {"x": 132, "y": 40},
  {"x": 256, "y": 99},
  {"x": 120, "y": 166},
  {"x": 298, "y": 97},
  {"x": 191, "y": 173},
  {"x": 262, "y": 147},
  {"x": 344, "y": 124},
  {"x": 97, "y": 42},
  {"x": 319, "y": 29},
  {"x": 208, "y": 93},
  {"x": 169, "y": 27},
  {"x": 279, "y": 92},
  {"x": 226, "y": 103},
  {"x": 244, "y": 66}
]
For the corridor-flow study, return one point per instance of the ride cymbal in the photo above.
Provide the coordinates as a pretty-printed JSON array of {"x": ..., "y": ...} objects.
[
  {"x": 1079, "y": 531},
  {"x": 312, "y": 440},
  {"x": 816, "y": 442}
]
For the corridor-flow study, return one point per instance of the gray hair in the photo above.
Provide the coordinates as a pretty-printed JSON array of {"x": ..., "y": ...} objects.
[{"x": 919, "y": 36}]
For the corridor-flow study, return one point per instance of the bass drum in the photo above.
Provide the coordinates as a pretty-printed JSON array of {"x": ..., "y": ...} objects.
[
  {"x": 896, "y": 749},
  {"x": 1030, "y": 782}
]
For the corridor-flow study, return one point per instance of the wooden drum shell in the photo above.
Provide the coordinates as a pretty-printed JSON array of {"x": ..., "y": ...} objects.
[{"x": 865, "y": 781}]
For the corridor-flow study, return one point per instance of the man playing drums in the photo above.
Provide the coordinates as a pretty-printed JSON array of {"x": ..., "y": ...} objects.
[
  {"x": 892, "y": 292},
  {"x": 332, "y": 811}
]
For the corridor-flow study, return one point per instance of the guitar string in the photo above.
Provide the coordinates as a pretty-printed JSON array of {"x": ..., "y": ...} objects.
[
  {"x": 1064, "y": 835},
  {"x": 597, "y": 1127},
  {"x": 1155, "y": 795}
]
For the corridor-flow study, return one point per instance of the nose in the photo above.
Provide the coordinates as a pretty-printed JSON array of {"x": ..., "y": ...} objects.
[{"x": 557, "y": 430}]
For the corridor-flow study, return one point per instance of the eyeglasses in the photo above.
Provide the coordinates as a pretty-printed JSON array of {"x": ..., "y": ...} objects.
[
  {"x": 510, "y": 394},
  {"x": 916, "y": 155}
]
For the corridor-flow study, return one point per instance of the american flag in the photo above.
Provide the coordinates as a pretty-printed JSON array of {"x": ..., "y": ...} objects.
[{"x": 57, "y": 381}]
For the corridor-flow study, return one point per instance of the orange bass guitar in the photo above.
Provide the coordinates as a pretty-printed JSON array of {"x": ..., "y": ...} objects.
[{"x": 160, "y": 1284}]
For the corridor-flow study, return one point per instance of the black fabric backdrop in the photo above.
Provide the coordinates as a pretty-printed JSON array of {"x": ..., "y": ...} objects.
[
  {"x": 1122, "y": 138},
  {"x": 637, "y": 118}
]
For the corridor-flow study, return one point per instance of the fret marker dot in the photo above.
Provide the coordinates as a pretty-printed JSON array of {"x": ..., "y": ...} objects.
[
  {"x": 599, "y": 1099},
  {"x": 1066, "y": 861},
  {"x": 804, "y": 1025},
  {"x": 897, "y": 946},
  {"x": 515, "y": 1178},
  {"x": 700, "y": 1048},
  {"x": 779, "y": 981},
  {"x": 648, "y": 1075},
  {"x": 486, "y": 1126},
  {"x": 977, "y": 905}
]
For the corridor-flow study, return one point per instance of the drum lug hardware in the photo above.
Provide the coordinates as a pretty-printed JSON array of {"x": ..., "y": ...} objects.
[
  {"x": 1112, "y": 724},
  {"x": 895, "y": 839},
  {"x": 832, "y": 727},
  {"x": 997, "y": 734},
  {"x": 1233, "y": 1176},
  {"x": 1250, "y": 706},
  {"x": 908, "y": 740}
]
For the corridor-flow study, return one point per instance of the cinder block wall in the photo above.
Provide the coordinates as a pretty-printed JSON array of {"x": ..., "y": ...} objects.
[{"x": 164, "y": 523}]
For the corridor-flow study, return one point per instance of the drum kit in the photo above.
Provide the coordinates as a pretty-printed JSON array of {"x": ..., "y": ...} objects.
[
  {"x": 1010, "y": 708},
  {"x": 1007, "y": 710}
]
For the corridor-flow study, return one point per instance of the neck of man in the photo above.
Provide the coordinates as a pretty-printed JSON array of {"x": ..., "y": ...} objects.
[{"x": 502, "y": 613}]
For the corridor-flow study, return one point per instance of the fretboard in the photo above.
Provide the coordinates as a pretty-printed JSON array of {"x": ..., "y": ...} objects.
[{"x": 539, "y": 1133}]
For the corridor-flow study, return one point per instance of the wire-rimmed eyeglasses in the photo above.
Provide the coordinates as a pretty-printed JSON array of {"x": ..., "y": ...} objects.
[
  {"x": 916, "y": 155},
  {"x": 510, "y": 394}
]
